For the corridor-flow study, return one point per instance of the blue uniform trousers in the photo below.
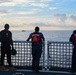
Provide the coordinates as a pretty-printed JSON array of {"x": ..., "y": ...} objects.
[
  {"x": 74, "y": 59},
  {"x": 36, "y": 54}
]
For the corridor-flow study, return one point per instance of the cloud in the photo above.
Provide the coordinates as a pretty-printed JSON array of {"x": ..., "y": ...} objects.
[
  {"x": 14, "y": 13},
  {"x": 39, "y": 24},
  {"x": 52, "y": 8},
  {"x": 4, "y": 1},
  {"x": 8, "y": 12},
  {"x": 73, "y": 17},
  {"x": 42, "y": 5},
  {"x": 39, "y": 3},
  {"x": 15, "y": 2},
  {"x": 64, "y": 17},
  {"x": 65, "y": 20},
  {"x": 3, "y": 11},
  {"x": 60, "y": 17},
  {"x": 25, "y": 13},
  {"x": 45, "y": 0},
  {"x": 8, "y": 3}
]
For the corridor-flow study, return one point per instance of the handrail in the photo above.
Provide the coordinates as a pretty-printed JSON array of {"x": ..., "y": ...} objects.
[{"x": 57, "y": 55}]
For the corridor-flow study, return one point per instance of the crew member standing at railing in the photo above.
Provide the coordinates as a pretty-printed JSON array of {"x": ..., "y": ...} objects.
[
  {"x": 37, "y": 39},
  {"x": 6, "y": 41},
  {"x": 73, "y": 40}
]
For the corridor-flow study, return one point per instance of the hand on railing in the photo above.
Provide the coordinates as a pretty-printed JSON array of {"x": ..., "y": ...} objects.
[{"x": 43, "y": 43}]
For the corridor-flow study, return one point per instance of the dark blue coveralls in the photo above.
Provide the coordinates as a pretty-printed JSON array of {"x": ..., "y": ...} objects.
[
  {"x": 73, "y": 40},
  {"x": 6, "y": 39},
  {"x": 36, "y": 50}
]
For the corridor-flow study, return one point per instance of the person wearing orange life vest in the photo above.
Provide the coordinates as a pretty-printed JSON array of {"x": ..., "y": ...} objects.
[
  {"x": 37, "y": 39},
  {"x": 73, "y": 41}
]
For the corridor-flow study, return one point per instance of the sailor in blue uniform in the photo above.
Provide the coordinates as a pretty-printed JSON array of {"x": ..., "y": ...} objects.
[
  {"x": 73, "y": 40},
  {"x": 37, "y": 39}
]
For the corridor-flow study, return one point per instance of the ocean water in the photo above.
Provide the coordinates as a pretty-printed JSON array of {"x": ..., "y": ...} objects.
[{"x": 51, "y": 35}]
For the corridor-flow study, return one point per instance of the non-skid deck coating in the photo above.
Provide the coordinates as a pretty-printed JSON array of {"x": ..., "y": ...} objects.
[{"x": 29, "y": 72}]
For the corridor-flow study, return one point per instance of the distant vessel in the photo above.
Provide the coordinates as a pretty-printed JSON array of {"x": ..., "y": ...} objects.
[{"x": 23, "y": 30}]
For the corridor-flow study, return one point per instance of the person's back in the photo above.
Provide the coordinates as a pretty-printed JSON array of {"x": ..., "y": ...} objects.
[
  {"x": 73, "y": 41},
  {"x": 6, "y": 41},
  {"x": 73, "y": 38},
  {"x": 5, "y": 37},
  {"x": 37, "y": 39}
]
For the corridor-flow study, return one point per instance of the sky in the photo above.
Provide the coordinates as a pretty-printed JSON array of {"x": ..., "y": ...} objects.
[{"x": 47, "y": 14}]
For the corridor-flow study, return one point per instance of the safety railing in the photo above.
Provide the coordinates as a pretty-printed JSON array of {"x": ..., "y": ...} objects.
[
  {"x": 23, "y": 58},
  {"x": 59, "y": 55}
]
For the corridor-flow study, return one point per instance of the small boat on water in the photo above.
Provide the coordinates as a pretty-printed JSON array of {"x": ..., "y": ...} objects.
[{"x": 23, "y": 30}]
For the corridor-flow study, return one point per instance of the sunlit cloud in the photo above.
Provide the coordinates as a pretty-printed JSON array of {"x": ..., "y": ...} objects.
[
  {"x": 45, "y": 0},
  {"x": 39, "y": 5},
  {"x": 15, "y": 2},
  {"x": 27, "y": 13},
  {"x": 63, "y": 19}
]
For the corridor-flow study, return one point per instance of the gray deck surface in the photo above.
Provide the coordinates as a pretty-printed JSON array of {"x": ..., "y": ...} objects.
[{"x": 29, "y": 72}]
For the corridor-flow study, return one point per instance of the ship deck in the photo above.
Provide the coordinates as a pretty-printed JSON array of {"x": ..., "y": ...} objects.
[{"x": 29, "y": 72}]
